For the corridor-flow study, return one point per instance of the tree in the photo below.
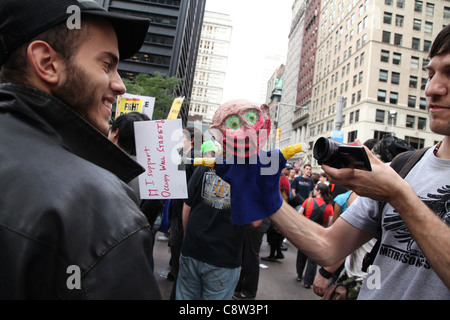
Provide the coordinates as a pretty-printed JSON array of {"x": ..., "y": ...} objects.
[{"x": 159, "y": 86}]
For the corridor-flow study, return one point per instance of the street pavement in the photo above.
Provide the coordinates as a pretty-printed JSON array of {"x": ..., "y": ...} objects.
[{"x": 277, "y": 280}]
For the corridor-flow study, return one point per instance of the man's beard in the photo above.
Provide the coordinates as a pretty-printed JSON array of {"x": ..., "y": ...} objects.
[{"x": 78, "y": 93}]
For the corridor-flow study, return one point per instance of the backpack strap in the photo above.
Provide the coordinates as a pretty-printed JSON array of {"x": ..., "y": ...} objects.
[
  {"x": 402, "y": 163},
  {"x": 317, "y": 212}
]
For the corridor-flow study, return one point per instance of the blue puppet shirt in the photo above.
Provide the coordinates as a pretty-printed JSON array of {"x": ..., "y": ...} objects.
[{"x": 252, "y": 201}]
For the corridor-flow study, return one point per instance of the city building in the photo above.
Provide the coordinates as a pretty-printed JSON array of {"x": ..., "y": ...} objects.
[
  {"x": 370, "y": 56},
  {"x": 271, "y": 62},
  {"x": 292, "y": 120},
  {"x": 275, "y": 92},
  {"x": 209, "y": 79},
  {"x": 172, "y": 41}
]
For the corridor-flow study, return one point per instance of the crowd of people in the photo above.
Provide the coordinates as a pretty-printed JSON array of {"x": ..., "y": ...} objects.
[{"x": 73, "y": 227}]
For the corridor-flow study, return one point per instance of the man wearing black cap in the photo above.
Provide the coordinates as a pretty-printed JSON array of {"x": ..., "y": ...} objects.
[{"x": 70, "y": 227}]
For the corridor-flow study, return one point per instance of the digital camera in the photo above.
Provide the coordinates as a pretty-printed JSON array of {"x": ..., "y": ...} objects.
[{"x": 339, "y": 155}]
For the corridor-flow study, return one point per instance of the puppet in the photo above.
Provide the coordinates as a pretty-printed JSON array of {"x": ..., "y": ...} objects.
[{"x": 243, "y": 128}]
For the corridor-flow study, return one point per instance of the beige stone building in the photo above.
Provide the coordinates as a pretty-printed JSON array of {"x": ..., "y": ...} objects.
[{"x": 211, "y": 67}]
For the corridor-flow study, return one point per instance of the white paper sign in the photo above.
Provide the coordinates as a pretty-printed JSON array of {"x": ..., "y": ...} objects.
[{"x": 156, "y": 149}]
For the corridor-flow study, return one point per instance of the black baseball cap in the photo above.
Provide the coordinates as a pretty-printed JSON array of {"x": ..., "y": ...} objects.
[{"x": 21, "y": 20}]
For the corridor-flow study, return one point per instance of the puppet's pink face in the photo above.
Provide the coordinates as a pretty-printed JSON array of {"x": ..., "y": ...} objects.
[{"x": 243, "y": 127}]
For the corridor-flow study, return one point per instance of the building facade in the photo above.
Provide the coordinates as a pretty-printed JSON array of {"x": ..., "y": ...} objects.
[
  {"x": 171, "y": 45},
  {"x": 291, "y": 120},
  {"x": 371, "y": 54},
  {"x": 209, "y": 79}
]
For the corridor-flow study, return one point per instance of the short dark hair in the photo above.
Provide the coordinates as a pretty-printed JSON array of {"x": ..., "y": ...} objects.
[
  {"x": 63, "y": 40},
  {"x": 196, "y": 134},
  {"x": 441, "y": 44},
  {"x": 125, "y": 124}
]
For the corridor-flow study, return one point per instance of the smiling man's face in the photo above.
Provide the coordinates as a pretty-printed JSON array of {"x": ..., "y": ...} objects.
[{"x": 91, "y": 82}]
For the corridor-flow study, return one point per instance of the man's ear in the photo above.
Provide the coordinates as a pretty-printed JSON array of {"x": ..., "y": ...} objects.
[{"x": 45, "y": 62}]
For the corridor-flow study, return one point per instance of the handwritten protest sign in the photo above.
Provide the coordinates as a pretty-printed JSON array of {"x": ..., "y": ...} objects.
[
  {"x": 156, "y": 149},
  {"x": 134, "y": 103}
]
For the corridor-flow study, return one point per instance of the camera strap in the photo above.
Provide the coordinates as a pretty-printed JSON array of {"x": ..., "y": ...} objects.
[{"x": 403, "y": 163}]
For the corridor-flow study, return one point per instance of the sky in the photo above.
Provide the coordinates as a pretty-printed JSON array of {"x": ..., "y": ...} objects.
[{"x": 260, "y": 27}]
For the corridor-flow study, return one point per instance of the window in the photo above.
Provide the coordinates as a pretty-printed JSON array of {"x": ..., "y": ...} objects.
[
  {"x": 379, "y": 135},
  {"x": 422, "y": 123},
  {"x": 398, "y": 39},
  {"x": 412, "y": 101},
  {"x": 360, "y": 77},
  {"x": 395, "y": 78},
  {"x": 415, "y": 43},
  {"x": 426, "y": 45},
  {"x": 417, "y": 24},
  {"x": 399, "y": 20},
  {"x": 415, "y": 63},
  {"x": 383, "y": 76},
  {"x": 357, "y": 115},
  {"x": 423, "y": 85},
  {"x": 380, "y": 115},
  {"x": 381, "y": 95},
  {"x": 423, "y": 104},
  {"x": 413, "y": 82},
  {"x": 400, "y": 4},
  {"x": 429, "y": 9},
  {"x": 397, "y": 58},
  {"x": 393, "y": 99},
  {"x": 428, "y": 27},
  {"x": 386, "y": 37},
  {"x": 418, "y": 5},
  {"x": 362, "y": 59},
  {"x": 416, "y": 143},
  {"x": 384, "y": 56},
  {"x": 387, "y": 18},
  {"x": 447, "y": 12},
  {"x": 388, "y": 2},
  {"x": 410, "y": 121},
  {"x": 352, "y": 136}
]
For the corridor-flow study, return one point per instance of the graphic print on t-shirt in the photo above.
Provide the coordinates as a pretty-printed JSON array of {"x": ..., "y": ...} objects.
[
  {"x": 215, "y": 191},
  {"x": 402, "y": 249}
]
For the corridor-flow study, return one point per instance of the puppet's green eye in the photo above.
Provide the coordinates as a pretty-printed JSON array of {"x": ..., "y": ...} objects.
[
  {"x": 252, "y": 117},
  {"x": 233, "y": 123}
]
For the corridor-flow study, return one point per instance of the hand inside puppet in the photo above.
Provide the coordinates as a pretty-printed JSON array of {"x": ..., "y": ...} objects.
[{"x": 254, "y": 175}]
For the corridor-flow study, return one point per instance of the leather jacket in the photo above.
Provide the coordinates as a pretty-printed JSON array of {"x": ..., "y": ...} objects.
[{"x": 70, "y": 227}]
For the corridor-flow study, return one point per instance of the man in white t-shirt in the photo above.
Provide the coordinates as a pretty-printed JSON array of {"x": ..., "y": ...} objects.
[{"x": 414, "y": 255}]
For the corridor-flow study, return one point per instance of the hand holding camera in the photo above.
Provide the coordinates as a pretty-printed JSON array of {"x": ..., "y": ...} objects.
[{"x": 339, "y": 155}]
